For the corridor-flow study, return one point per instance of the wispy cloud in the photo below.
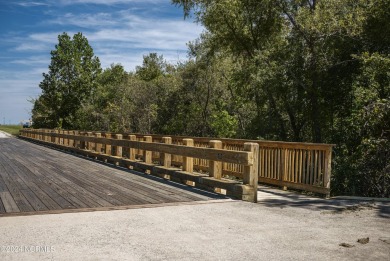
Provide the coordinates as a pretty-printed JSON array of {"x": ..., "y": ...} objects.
[
  {"x": 86, "y": 20},
  {"x": 126, "y": 32},
  {"x": 120, "y": 31},
  {"x": 33, "y": 60},
  {"x": 108, "y": 2},
  {"x": 32, "y": 4},
  {"x": 31, "y": 47}
]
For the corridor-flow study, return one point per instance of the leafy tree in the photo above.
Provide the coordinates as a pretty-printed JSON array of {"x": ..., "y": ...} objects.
[
  {"x": 71, "y": 80},
  {"x": 100, "y": 110}
]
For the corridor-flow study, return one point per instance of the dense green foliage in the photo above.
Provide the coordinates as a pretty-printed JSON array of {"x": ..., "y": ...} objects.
[
  {"x": 70, "y": 81},
  {"x": 314, "y": 71}
]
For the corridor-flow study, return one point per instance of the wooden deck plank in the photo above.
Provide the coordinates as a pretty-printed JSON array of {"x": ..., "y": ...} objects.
[
  {"x": 144, "y": 191},
  {"x": 191, "y": 195},
  {"x": 152, "y": 192},
  {"x": 76, "y": 194},
  {"x": 13, "y": 189},
  {"x": 35, "y": 178},
  {"x": 91, "y": 184},
  {"x": 144, "y": 185},
  {"x": 8, "y": 202},
  {"x": 2, "y": 209},
  {"x": 61, "y": 197},
  {"x": 25, "y": 188},
  {"x": 122, "y": 177},
  {"x": 25, "y": 174}
]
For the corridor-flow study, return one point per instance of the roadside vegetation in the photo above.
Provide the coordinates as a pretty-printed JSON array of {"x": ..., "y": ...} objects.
[
  {"x": 11, "y": 129},
  {"x": 306, "y": 71}
]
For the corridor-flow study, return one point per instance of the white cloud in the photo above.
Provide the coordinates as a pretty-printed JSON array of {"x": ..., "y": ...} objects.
[
  {"x": 31, "y": 47},
  {"x": 116, "y": 36},
  {"x": 108, "y": 2},
  {"x": 86, "y": 20},
  {"x": 120, "y": 35},
  {"x": 33, "y": 60},
  {"x": 31, "y": 4}
]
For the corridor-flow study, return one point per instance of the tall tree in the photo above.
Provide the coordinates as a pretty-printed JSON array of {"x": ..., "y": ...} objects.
[{"x": 71, "y": 79}]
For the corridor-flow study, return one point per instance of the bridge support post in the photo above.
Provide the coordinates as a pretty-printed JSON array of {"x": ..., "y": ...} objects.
[
  {"x": 251, "y": 173},
  {"x": 215, "y": 167},
  {"x": 77, "y": 142},
  {"x": 132, "y": 151},
  {"x": 118, "y": 149},
  {"x": 66, "y": 140},
  {"x": 148, "y": 154},
  {"x": 56, "y": 140},
  {"x": 98, "y": 146},
  {"x": 89, "y": 144},
  {"x": 166, "y": 158},
  {"x": 108, "y": 146},
  {"x": 188, "y": 162}
]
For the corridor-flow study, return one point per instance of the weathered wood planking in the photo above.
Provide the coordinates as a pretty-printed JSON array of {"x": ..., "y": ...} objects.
[
  {"x": 238, "y": 157},
  {"x": 308, "y": 165},
  {"x": 151, "y": 153},
  {"x": 37, "y": 179}
]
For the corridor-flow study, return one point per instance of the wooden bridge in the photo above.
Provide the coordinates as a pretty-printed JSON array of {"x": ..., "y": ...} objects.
[
  {"x": 184, "y": 169},
  {"x": 37, "y": 179}
]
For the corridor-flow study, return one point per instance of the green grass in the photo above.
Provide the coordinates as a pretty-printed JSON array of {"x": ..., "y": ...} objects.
[{"x": 11, "y": 129}]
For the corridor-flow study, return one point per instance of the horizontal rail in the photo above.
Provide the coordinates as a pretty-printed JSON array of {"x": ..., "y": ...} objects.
[
  {"x": 139, "y": 155},
  {"x": 231, "y": 156},
  {"x": 304, "y": 166}
]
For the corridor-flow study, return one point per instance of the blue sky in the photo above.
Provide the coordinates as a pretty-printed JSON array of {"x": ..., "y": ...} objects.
[{"x": 119, "y": 31}]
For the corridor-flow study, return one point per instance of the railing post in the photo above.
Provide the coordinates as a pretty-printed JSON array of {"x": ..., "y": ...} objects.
[
  {"x": 251, "y": 173},
  {"x": 284, "y": 167},
  {"x": 61, "y": 140},
  {"x": 118, "y": 149},
  {"x": 76, "y": 141},
  {"x": 166, "y": 158},
  {"x": 188, "y": 162},
  {"x": 215, "y": 167},
  {"x": 47, "y": 135},
  {"x": 89, "y": 144},
  {"x": 328, "y": 170},
  {"x": 148, "y": 154},
  {"x": 108, "y": 146},
  {"x": 82, "y": 143},
  {"x": 71, "y": 140},
  {"x": 56, "y": 138},
  {"x": 65, "y": 140},
  {"x": 132, "y": 151},
  {"x": 98, "y": 145}
]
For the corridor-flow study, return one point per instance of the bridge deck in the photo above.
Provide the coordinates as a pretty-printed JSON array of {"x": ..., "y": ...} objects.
[{"x": 37, "y": 179}]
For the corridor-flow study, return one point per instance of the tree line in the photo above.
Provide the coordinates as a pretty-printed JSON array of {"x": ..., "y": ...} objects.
[{"x": 312, "y": 71}]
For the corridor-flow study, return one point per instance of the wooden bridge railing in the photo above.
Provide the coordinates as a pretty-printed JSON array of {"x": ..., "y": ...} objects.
[
  {"x": 304, "y": 166},
  {"x": 139, "y": 153}
]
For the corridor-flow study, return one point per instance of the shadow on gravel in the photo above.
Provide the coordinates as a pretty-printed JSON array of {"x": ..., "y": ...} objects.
[{"x": 284, "y": 199}]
